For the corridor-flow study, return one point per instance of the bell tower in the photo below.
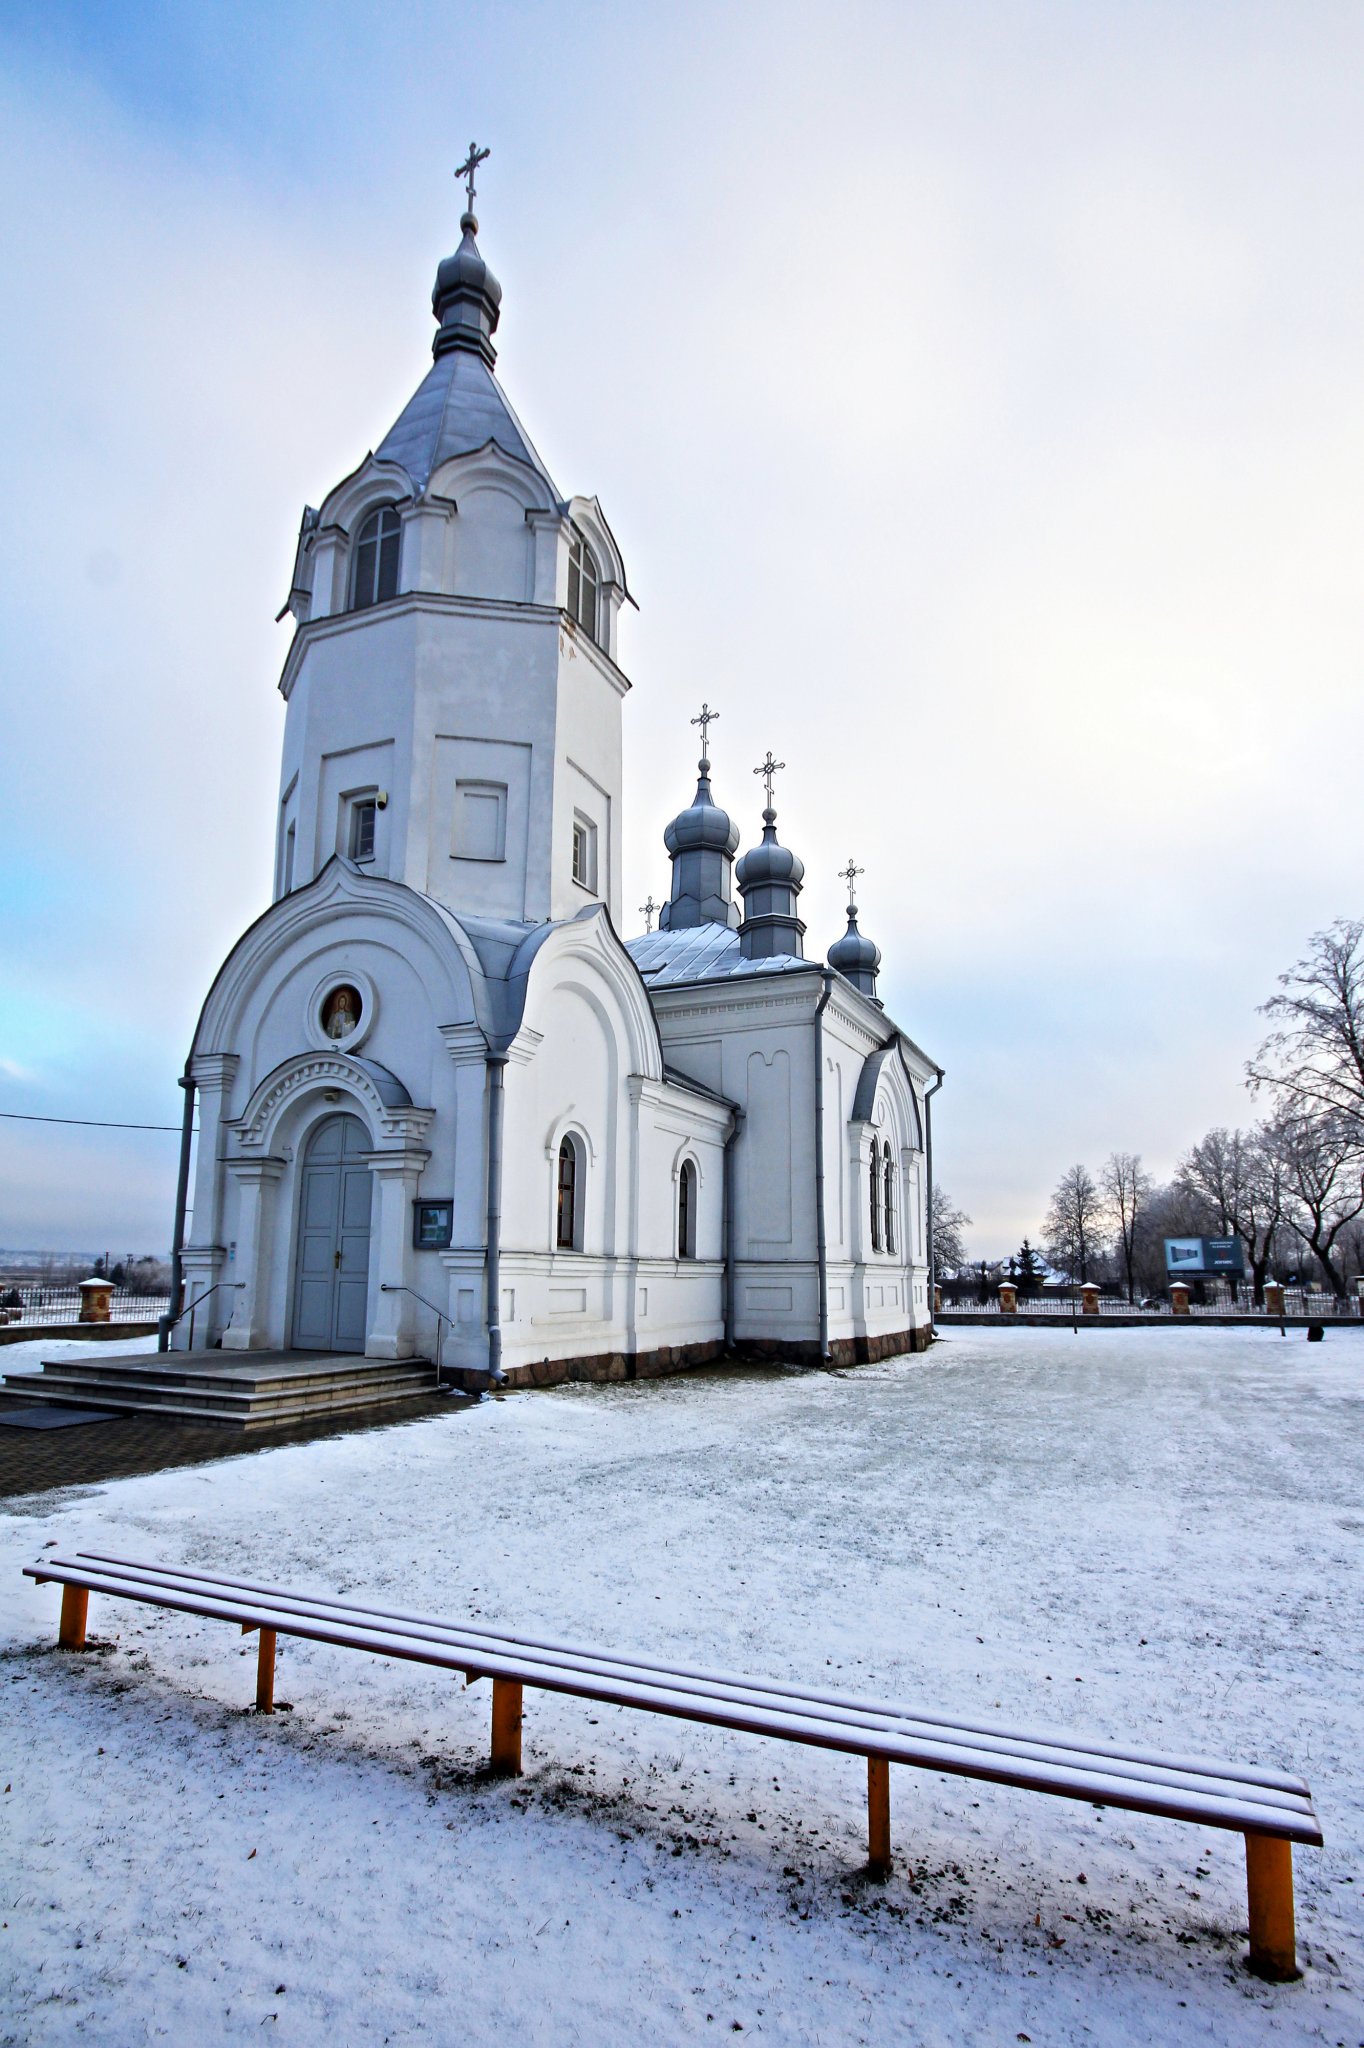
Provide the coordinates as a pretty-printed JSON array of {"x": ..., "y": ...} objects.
[{"x": 454, "y": 699}]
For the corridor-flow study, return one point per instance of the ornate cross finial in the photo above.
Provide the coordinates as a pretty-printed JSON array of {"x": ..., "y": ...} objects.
[
  {"x": 707, "y": 718},
  {"x": 849, "y": 874},
  {"x": 646, "y": 911},
  {"x": 767, "y": 770},
  {"x": 471, "y": 163}
]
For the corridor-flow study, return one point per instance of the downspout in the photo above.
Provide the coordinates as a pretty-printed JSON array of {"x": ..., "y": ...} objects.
[
  {"x": 166, "y": 1322},
  {"x": 821, "y": 1236},
  {"x": 497, "y": 1062},
  {"x": 929, "y": 1093},
  {"x": 729, "y": 1229}
]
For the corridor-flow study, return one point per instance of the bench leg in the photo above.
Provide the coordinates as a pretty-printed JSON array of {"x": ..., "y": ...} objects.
[
  {"x": 265, "y": 1672},
  {"x": 1269, "y": 1884},
  {"x": 506, "y": 1757},
  {"x": 75, "y": 1607},
  {"x": 878, "y": 1816}
]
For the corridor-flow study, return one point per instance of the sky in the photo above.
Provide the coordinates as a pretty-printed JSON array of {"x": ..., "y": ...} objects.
[{"x": 975, "y": 394}]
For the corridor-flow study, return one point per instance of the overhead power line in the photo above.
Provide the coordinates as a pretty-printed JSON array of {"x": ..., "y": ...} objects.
[{"x": 87, "y": 1123}]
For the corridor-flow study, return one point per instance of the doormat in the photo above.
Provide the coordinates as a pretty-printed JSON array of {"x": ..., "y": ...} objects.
[{"x": 52, "y": 1418}]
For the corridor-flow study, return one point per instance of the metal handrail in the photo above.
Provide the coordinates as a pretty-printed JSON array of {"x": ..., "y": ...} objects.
[
  {"x": 392, "y": 1287},
  {"x": 166, "y": 1323}
]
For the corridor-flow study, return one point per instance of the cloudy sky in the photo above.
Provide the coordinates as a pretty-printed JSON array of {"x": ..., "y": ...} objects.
[{"x": 975, "y": 391}]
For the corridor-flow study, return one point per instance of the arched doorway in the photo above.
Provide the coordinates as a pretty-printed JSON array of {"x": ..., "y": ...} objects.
[{"x": 331, "y": 1260}]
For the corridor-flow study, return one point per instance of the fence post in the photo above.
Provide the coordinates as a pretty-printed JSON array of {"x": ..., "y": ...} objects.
[
  {"x": 1089, "y": 1298},
  {"x": 1008, "y": 1298},
  {"x": 96, "y": 1295},
  {"x": 1273, "y": 1298},
  {"x": 1179, "y": 1298}
]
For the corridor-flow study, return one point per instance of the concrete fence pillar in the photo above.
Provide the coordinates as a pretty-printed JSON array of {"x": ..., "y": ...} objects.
[
  {"x": 1008, "y": 1298},
  {"x": 96, "y": 1296},
  {"x": 1179, "y": 1298},
  {"x": 1273, "y": 1298},
  {"x": 1089, "y": 1299},
  {"x": 937, "y": 1300}
]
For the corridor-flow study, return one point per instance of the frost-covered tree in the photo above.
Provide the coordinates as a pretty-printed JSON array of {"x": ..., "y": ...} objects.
[
  {"x": 1313, "y": 1059},
  {"x": 1125, "y": 1187},
  {"x": 1074, "y": 1228},
  {"x": 950, "y": 1225},
  {"x": 1323, "y": 1185}
]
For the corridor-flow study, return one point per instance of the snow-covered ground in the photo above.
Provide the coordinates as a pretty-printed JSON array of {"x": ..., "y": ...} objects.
[{"x": 1154, "y": 1535}]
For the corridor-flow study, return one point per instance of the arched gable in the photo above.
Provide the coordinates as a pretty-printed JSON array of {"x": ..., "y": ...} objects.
[
  {"x": 586, "y": 952},
  {"x": 885, "y": 1093}
]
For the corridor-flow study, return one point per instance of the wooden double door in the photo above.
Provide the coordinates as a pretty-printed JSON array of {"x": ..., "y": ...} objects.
[{"x": 331, "y": 1260}]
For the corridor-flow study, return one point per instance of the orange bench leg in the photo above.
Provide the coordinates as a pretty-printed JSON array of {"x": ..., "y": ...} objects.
[
  {"x": 878, "y": 1816},
  {"x": 1269, "y": 1885},
  {"x": 265, "y": 1672},
  {"x": 75, "y": 1607},
  {"x": 506, "y": 1756}
]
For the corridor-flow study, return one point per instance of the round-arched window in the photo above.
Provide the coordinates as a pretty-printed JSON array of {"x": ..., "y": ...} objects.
[
  {"x": 686, "y": 1210},
  {"x": 875, "y": 1196},
  {"x": 374, "y": 574},
  {"x": 888, "y": 1182},
  {"x": 567, "y": 1213},
  {"x": 584, "y": 585}
]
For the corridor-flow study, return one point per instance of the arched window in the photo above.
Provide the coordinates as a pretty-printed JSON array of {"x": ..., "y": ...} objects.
[
  {"x": 374, "y": 576},
  {"x": 875, "y": 1196},
  {"x": 583, "y": 587},
  {"x": 888, "y": 1182},
  {"x": 686, "y": 1210},
  {"x": 566, "y": 1233}
]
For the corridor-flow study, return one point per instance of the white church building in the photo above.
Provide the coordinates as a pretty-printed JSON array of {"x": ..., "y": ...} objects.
[{"x": 445, "y": 1110}]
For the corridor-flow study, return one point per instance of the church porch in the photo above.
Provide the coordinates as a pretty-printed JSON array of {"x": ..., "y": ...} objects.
[{"x": 242, "y": 1391}]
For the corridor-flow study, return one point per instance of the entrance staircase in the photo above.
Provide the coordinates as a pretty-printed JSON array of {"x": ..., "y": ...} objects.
[{"x": 245, "y": 1390}]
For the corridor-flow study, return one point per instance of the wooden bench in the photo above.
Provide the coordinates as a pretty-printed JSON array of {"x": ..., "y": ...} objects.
[{"x": 1271, "y": 1809}]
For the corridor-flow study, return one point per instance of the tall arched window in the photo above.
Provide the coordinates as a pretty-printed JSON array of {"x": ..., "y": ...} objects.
[
  {"x": 888, "y": 1183},
  {"x": 686, "y": 1210},
  {"x": 374, "y": 576},
  {"x": 583, "y": 587},
  {"x": 566, "y": 1236},
  {"x": 875, "y": 1196}
]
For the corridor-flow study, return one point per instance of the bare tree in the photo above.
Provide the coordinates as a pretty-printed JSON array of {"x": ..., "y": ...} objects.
[
  {"x": 1240, "y": 1176},
  {"x": 1323, "y": 1181},
  {"x": 1125, "y": 1190},
  {"x": 1073, "y": 1232},
  {"x": 1313, "y": 1059},
  {"x": 949, "y": 1227}
]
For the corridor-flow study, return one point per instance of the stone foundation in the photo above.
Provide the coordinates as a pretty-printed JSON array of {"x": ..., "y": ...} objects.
[{"x": 671, "y": 1358}]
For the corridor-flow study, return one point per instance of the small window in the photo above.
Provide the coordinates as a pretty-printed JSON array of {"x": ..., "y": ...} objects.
[
  {"x": 566, "y": 1225},
  {"x": 363, "y": 813},
  {"x": 686, "y": 1210},
  {"x": 875, "y": 1196},
  {"x": 375, "y": 576},
  {"x": 289, "y": 859},
  {"x": 584, "y": 852},
  {"x": 583, "y": 588},
  {"x": 888, "y": 1183}
]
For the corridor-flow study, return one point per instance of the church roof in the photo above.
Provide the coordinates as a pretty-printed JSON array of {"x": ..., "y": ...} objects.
[
  {"x": 457, "y": 409},
  {"x": 702, "y": 952}
]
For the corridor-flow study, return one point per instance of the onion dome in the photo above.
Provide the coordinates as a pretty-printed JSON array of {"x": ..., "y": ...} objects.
[
  {"x": 701, "y": 841},
  {"x": 853, "y": 956},
  {"x": 769, "y": 878},
  {"x": 465, "y": 299}
]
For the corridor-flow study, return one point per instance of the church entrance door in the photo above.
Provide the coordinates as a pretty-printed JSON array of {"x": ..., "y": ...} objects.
[{"x": 331, "y": 1264}]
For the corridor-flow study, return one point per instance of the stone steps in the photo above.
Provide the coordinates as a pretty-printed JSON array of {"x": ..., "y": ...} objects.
[{"x": 248, "y": 1392}]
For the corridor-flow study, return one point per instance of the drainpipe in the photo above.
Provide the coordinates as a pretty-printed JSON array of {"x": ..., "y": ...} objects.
[
  {"x": 497, "y": 1062},
  {"x": 165, "y": 1322},
  {"x": 929, "y": 1093},
  {"x": 729, "y": 1228},
  {"x": 821, "y": 1239}
]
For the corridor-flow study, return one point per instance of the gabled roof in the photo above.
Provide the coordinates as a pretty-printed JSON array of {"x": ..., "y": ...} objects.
[{"x": 457, "y": 409}]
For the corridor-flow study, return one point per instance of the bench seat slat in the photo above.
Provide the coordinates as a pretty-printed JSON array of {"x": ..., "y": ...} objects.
[
  {"x": 1043, "y": 1743},
  {"x": 1237, "y": 1806},
  {"x": 861, "y": 1725}
]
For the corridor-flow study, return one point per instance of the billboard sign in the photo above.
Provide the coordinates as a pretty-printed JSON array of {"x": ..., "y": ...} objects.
[{"x": 1201, "y": 1258}]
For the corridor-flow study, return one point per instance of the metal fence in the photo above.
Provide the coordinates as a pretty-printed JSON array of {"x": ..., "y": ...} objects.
[
  {"x": 1297, "y": 1302},
  {"x": 62, "y": 1304}
]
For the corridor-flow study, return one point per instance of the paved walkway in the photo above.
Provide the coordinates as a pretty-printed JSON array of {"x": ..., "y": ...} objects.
[{"x": 37, "y": 1460}]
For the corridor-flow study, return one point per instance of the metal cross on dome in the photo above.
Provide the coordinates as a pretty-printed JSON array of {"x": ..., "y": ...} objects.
[
  {"x": 471, "y": 163},
  {"x": 767, "y": 770},
  {"x": 849, "y": 874},
  {"x": 707, "y": 718},
  {"x": 646, "y": 911}
]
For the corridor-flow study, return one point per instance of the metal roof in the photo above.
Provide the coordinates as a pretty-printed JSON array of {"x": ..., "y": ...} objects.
[
  {"x": 458, "y": 408},
  {"x": 704, "y": 952}
]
